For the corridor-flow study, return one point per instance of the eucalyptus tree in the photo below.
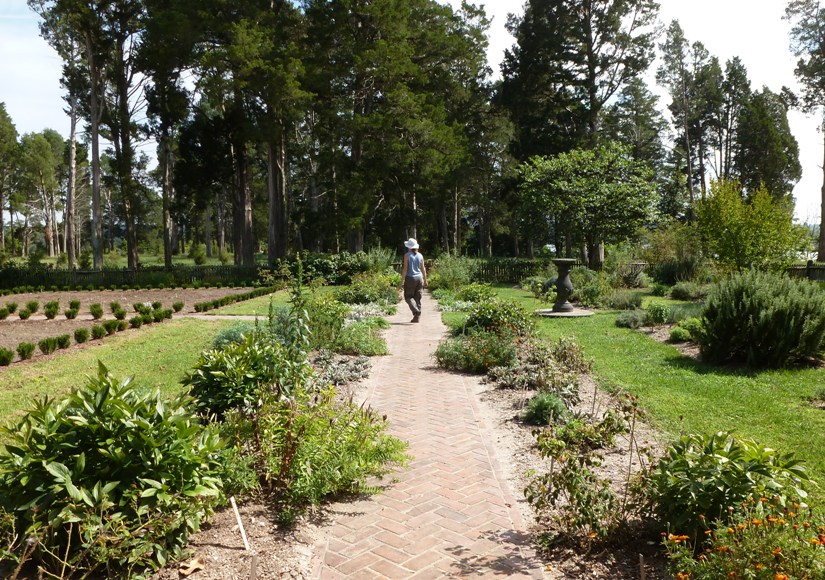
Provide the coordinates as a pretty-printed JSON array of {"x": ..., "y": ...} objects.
[
  {"x": 807, "y": 19},
  {"x": 9, "y": 159},
  {"x": 41, "y": 159}
]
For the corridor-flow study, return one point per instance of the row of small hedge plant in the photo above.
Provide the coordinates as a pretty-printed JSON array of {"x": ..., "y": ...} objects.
[{"x": 227, "y": 300}]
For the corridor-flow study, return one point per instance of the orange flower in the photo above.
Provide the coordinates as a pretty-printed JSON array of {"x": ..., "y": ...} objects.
[
  {"x": 763, "y": 499},
  {"x": 780, "y": 576},
  {"x": 741, "y": 527},
  {"x": 756, "y": 522},
  {"x": 677, "y": 539},
  {"x": 723, "y": 549},
  {"x": 776, "y": 551},
  {"x": 759, "y": 566},
  {"x": 731, "y": 531},
  {"x": 731, "y": 574},
  {"x": 682, "y": 576},
  {"x": 816, "y": 542}
]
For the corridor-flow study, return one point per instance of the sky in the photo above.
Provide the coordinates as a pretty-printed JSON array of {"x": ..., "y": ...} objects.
[{"x": 754, "y": 31}]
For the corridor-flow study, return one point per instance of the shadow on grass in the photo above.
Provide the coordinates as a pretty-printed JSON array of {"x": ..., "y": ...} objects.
[{"x": 690, "y": 364}]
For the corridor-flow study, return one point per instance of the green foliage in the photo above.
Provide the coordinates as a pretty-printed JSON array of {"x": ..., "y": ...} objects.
[
  {"x": 6, "y": 356},
  {"x": 198, "y": 254},
  {"x": 70, "y": 314},
  {"x": 50, "y": 309},
  {"x": 4, "y": 313},
  {"x": 763, "y": 320},
  {"x": 326, "y": 320},
  {"x": 136, "y": 321},
  {"x": 96, "y": 311},
  {"x": 74, "y": 304},
  {"x": 762, "y": 540},
  {"x": 631, "y": 319},
  {"x": 679, "y": 334},
  {"x": 451, "y": 272},
  {"x": 360, "y": 338},
  {"x": 63, "y": 340},
  {"x": 25, "y": 350},
  {"x": 24, "y": 314},
  {"x": 340, "y": 370},
  {"x": 32, "y": 306},
  {"x": 234, "y": 333},
  {"x": 672, "y": 253},
  {"x": 47, "y": 345},
  {"x": 477, "y": 351},
  {"x": 657, "y": 313},
  {"x": 544, "y": 408},
  {"x": 625, "y": 300},
  {"x": 11, "y": 306},
  {"x": 688, "y": 291},
  {"x": 98, "y": 331},
  {"x": 107, "y": 479},
  {"x": 742, "y": 233},
  {"x": 81, "y": 335},
  {"x": 590, "y": 288},
  {"x": 110, "y": 326},
  {"x": 475, "y": 292},
  {"x": 235, "y": 376},
  {"x": 701, "y": 476},
  {"x": 658, "y": 289},
  {"x": 177, "y": 306},
  {"x": 368, "y": 287},
  {"x": 315, "y": 446},
  {"x": 495, "y": 315}
]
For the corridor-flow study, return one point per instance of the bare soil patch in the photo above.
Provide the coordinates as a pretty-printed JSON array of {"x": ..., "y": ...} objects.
[{"x": 14, "y": 330}]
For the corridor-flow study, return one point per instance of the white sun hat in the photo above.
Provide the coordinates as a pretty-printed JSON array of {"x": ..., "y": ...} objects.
[{"x": 411, "y": 244}]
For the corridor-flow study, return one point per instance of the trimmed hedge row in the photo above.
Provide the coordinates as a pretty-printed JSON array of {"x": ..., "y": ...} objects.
[{"x": 227, "y": 300}]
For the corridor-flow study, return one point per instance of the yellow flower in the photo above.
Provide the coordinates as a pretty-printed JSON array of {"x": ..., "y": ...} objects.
[
  {"x": 780, "y": 576},
  {"x": 759, "y": 566},
  {"x": 682, "y": 576},
  {"x": 731, "y": 531}
]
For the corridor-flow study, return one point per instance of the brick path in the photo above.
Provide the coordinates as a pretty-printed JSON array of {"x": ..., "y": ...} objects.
[{"x": 451, "y": 512}]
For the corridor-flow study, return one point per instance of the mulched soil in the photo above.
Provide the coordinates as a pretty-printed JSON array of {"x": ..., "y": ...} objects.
[{"x": 14, "y": 330}]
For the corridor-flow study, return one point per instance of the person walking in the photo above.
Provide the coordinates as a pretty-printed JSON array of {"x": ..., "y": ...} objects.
[{"x": 413, "y": 278}]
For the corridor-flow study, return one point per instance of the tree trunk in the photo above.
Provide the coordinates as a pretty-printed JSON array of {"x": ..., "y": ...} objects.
[
  {"x": 166, "y": 194},
  {"x": 94, "y": 128},
  {"x": 71, "y": 186},
  {"x": 207, "y": 228},
  {"x": 821, "y": 246}
]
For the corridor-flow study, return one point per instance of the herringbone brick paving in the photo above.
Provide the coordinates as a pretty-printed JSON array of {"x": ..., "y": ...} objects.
[{"x": 450, "y": 513}]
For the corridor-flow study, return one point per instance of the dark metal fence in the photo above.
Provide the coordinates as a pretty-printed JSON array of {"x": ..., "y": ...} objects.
[
  {"x": 812, "y": 271},
  {"x": 142, "y": 277},
  {"x": 508, "y": 270}
]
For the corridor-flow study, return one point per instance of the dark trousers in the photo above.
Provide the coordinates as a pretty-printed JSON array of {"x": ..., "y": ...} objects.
[{"x": 412, "y": 293}]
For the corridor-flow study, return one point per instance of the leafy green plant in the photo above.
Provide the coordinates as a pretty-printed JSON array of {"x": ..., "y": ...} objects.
[
  {"x": 475, "y": 292},
  {"x": 98, "y": 331},
  {"x": 157, "y": 305},
  {"x": 631, "y": 319},
  {"x": 495, "y": 315},
  {"x": 108, "y": 480},
  {"x": 452, "y": 272},
  {"x": 25, "y": 350},
  {"x": 6, "y": 356},
  {"x": 122, "y": 325},
  {"x": 50, "y": 309},
  {"x": 70, "y": 314},
  {"x": 234, "y": 376},
  {"x": 177, "y": 306},
  {"x": 679, "y": 334},
  {"x": 590, "y": 288},
  {"x": 477, "y": 351},
  {"x": 114, "y": 306},
  {"x": 136, "y": 321},
  {"x": 81, "y": 335},
  {"x": 74, "y": 304},
  {"x": 340, "y": 370},
  {"x": 688, "y": 291},
  {"x": 236, "y": 332},
  {"x": 110, "y": 326},
  {"x": 625, "y": 300},
  {"x": 701, "y": 476},
  {"x": 11, "y": 306},
  {"x": 119, "y": 314},
  {"x": 368, "y": 287},
  {"x": 544, "y": 408},
  {"x": 63, "y": 340},
  {"x": 763, "y": 320},
  {"x": 24, "y": 314},
  {"x": 4, "y": 313},
  {"x": 32, "y": 306},
  {"x": 762, "y": 540},
  {"x": 657, "y": 313},
  {"x": 658, "y": 289},
  {"x": 96, "y": 311},
  {"x": 361, "y": 338},
  {"x": 326, "y": 321},
  {"x": 47, "y": 345}
]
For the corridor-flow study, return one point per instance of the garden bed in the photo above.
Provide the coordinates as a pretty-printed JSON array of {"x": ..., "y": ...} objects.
[{"x": 14, "y": 330}]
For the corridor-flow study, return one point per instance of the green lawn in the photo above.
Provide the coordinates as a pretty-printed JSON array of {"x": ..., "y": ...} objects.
[
  {"x": 682, "y": 395},
  {"x": 260, "y": 306},
  {"x": 156, "y": 356}
]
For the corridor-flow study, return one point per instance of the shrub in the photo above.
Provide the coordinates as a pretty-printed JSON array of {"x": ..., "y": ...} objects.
[
  {"x": 70, "y": 314},
  {"x": 136, "y": 321},
  {"x": 127, "y": 471},
  {"x": 96, "y": 310},
  {"x": 326, "y": 321},
  {"x": 24, "y": 314},
  {"x": 50, "y": 309},
  {"x": 700, "y": 476},
  {"x": 6, "y": 356},
  {"x": 763, "y": 320},
  {"x": 631, "y": 319},
  {"x": 760, "y": 540},
  {"x": 63, "y": 340},
  {"x": 98, "y": 331},
  {"x": 74, "y": 304},
  {"x": 340, "y": 370},
  {"x": 687, "y": 291},
  {"x": 368, "y": 287},
  {"x": 451, "y": 272},
  {"x": 81, "y": 335},
  {"x": 157, "y": 305},
  {"x": 658, "y": 289},
  {"x": 234, "y": 333},
  {"x": 177, "y": 306},
  {"x": 477, "y": 352},
  {"x": 590, "y": 288},
  {"x": 625, "y": 300},
  {"x": 692, "y": 326},
  {"x": 120, "y": 314},
  {"x": 198, "y": 254},
  {"x": 122, "y": 325},
  {"x": 4, "y": 313},
  {"x": 361, "y": 338},
  {"x": 494, "y": 315},
  {"x": 11, "y": 306},
  {"x": 32, "y": 306},
  {"x": 110, "y": 326},
  {"x": 47, "y": 345},
  {"x": 475, "y": 292},
  {"x": 232, "y": 378},
  {"x": 544, "y": 408},
  {"x": 25, "y": 350},
  {"x": 679, "y": 334},
  {"x": 114, "y": 306},
  {"x": 657, "y": 313}
]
